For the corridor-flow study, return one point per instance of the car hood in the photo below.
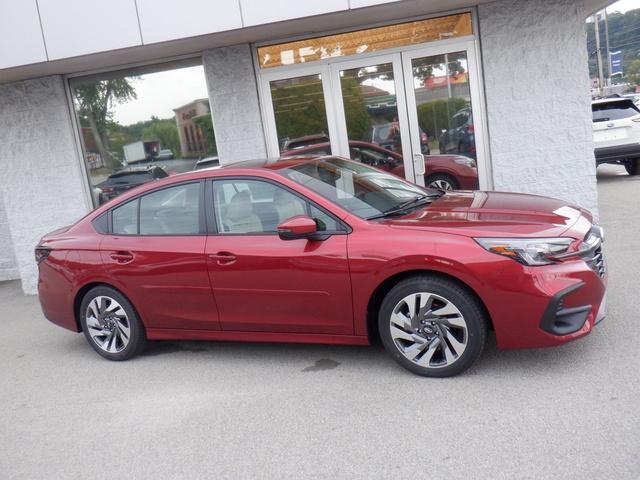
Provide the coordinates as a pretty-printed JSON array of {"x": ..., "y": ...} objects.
[{"x": 494, "y": 214}]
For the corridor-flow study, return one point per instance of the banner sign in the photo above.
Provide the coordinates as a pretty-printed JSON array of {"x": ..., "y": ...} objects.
[{"x": 616, "y": 63}]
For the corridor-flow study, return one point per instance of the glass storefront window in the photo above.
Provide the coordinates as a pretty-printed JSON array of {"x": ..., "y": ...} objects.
[
  {"x": 300, "y": 113},
  {"x": 444, "y": 110},
  {"x": 371, "y": 107},
  {"x": 142, "y": 124},
  {"x": 365, "y": 41}
]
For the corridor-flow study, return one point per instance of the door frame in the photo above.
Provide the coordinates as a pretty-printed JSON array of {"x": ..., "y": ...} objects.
[
  {"x": 341, "y": 121},
  {"x": 477, "y": 110},
  {"x": 324, "y": 67},
  {"x": 269, "y": 117}
]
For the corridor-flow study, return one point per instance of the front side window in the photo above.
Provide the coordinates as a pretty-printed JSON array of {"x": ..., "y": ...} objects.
[
  {"x": 171, "y": 211},
  {"x": 254, "y": 206},
  {"x": 359, "y": 189}
]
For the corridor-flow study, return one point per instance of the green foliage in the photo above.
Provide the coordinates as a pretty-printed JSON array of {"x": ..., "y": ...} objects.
[
  {"x": 94, "y": 102},
  {"x": 166, "y": 131},
  {"x": 299, "y": 110},
  {"x": 436, "y": 115},
  {"x": 623, "y": 35},
  {"x": 633, "y": 72},
  {"x": 357, "y": 117},
  {"x": 205, "y": 122}
]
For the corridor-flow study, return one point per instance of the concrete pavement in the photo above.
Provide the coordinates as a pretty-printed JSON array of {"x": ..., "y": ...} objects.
[{"x": 227, "y": 410}]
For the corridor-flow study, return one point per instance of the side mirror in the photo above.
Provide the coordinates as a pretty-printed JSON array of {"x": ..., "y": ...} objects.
[{"x": 300, "y": 226}]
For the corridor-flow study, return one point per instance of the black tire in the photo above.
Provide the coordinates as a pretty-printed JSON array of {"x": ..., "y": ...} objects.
[
  {"x": 633, "y": 166},
  {"x": 467, "y": 305},
  {"x": 439, "y": 179},
  {"x": 136, "y": 334}
]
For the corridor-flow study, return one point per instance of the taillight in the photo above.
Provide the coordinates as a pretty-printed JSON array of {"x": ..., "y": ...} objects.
[
  {"x": 107, "y": 189},
  {"x": 470, "y": 129},
  {"x": 41, "y": 254}
]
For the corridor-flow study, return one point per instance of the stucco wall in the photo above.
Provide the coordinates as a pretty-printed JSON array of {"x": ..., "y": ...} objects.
[
  {"x": 8, "y": 266},
  {"x": 42, "y": 186},
  {"x": 538, "y": 104},
  {"x": 233, "y": 95}
]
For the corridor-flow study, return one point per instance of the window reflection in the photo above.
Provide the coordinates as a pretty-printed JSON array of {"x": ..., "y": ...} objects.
[
  {"x": 369, "y": 40},
  {"x": 300, "y": 114},
  {"x": 141, "y": 125}
]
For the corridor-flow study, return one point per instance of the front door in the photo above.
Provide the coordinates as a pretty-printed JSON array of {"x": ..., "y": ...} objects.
[{"x": 262, "y": 283}]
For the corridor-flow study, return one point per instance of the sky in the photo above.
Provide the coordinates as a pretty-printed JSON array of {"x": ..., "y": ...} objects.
[
  {"x": 623, "y": 6},
  {"x": 159, "y": 93}
]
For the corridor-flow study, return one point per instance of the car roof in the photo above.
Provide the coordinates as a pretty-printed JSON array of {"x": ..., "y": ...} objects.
[{"x": 128, "y": 170}]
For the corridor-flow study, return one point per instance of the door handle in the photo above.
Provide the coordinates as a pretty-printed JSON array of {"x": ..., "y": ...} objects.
[
  {"x": 223, "y": 258},
  {"x": 122, "y": 257}
]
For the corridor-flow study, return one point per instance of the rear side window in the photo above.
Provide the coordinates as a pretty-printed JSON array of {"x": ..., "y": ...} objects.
[
  {"x": 171, "y": 211},
  {"x": 125, "y": 219},
  {"x": 605, "y": 112}
]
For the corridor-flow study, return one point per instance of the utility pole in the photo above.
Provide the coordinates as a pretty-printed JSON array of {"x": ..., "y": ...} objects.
[
  {"x": 599, "y": 54},
  {"x": 606, "y": 39}
]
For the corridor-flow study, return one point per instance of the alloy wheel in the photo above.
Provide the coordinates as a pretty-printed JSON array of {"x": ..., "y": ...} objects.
[
  {"x": 428, "y": 330},
  {"x": 441, "y": 184},
  {"x": 108, "y": 324}
]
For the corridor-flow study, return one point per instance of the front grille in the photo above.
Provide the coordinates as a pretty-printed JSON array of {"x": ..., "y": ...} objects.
[{"x": 596, "y": 262}]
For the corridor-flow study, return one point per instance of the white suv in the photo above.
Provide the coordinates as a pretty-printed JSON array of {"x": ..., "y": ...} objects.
[{"x": 616, "y": 132}]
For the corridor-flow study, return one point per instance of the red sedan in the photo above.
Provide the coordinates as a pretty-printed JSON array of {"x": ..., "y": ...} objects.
[
  {"x": 445, "y": 172},
  {"x": 325, "y": 250}
]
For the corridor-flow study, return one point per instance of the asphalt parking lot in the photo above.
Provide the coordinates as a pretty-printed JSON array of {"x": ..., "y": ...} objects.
[{"x": 226, "y": 410}]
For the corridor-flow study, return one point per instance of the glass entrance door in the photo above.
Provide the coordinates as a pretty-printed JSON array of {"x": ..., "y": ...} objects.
[
  {"x": 414, "y": 113},
  {"x": 442, "y": 98},
  {"x": 372, "y": 122}
]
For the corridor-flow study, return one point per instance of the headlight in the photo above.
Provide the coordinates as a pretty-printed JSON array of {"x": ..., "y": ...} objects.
[
  {"x": 528, "y": 251},
  {"x": 469, "y": 162}
]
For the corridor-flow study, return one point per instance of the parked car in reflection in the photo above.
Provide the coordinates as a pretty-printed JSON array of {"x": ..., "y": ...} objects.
[
  {"x": 164, "y": 154},
  {"x": 446, "y": 172},
  {"x": 301, "y": 142},
  {"x": 460, "y": 137},
  {"x": 616, "y": 132},
  {"x": 126, "y": 179},
  {"x": 206, "y": 162},
  {"x": 387, "y": 135}
]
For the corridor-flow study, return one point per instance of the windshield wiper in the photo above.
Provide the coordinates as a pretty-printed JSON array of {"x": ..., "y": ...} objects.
[{"x": 405, "y": 206}]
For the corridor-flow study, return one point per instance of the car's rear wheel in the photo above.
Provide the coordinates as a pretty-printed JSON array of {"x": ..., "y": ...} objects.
[
  {"x": 441, "y": 181},
  {"x": 633, "y": 166},
  {"x": 110, "y": 324},
  {"x": 432, "y": 326}
]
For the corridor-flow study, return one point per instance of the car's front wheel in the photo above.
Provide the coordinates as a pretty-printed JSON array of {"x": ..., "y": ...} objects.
[
  {"x": 633, "y": 166},
  {"x": 110, "y": 324},
  {"x": 432, "y": 326},
  {"x": 441, "y": 181}
]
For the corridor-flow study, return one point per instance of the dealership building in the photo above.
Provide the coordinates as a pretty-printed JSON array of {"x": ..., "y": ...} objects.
[{"x": 503, "y": 83}]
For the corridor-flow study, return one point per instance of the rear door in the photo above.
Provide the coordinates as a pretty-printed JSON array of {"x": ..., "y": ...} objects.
[
  {"x": 156, "y": 252},
  {"x": 262, "y": 283}
]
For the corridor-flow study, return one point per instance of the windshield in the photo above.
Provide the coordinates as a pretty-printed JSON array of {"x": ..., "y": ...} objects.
[{"x": 363, "y": 191}]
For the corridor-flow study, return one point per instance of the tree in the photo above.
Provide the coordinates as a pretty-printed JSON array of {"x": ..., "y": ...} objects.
[
  {"x": 205, "y": 123},
  {"x": 94, "y": 102},
  {"x": 164, "y": 130},
  {"x": 633, "y": 72}
]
